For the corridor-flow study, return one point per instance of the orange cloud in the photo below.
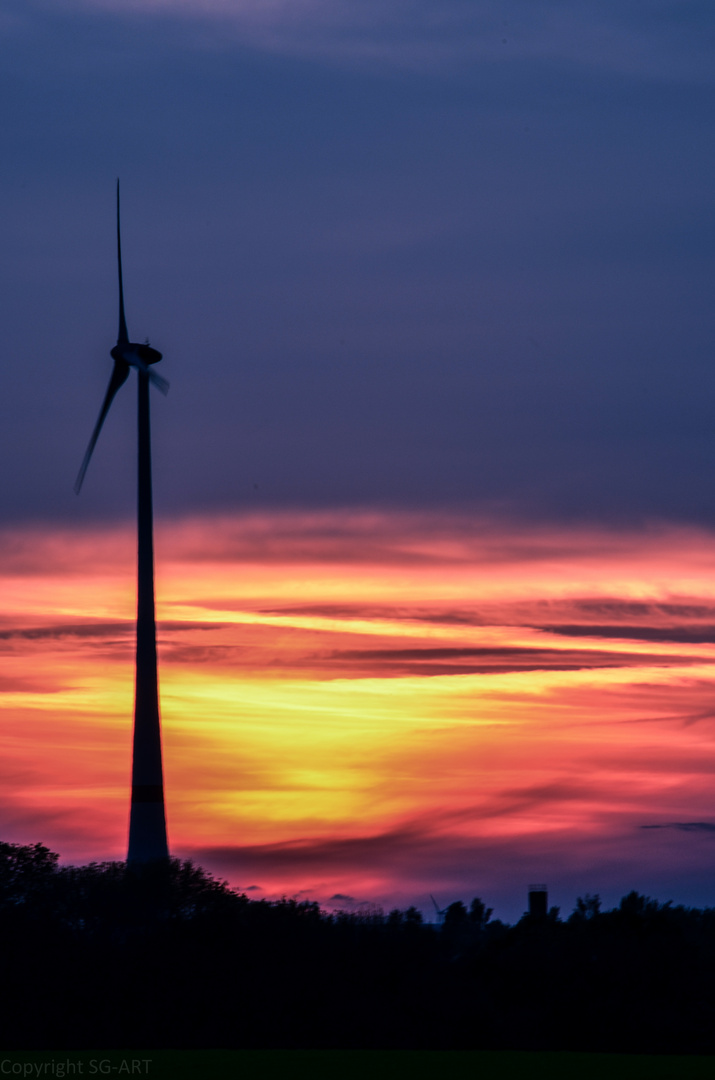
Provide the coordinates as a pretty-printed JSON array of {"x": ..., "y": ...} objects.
[{"x": 398, "y": 690}]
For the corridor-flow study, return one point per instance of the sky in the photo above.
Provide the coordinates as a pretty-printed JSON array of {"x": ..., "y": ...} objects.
[{"x": 433, "y": 483}]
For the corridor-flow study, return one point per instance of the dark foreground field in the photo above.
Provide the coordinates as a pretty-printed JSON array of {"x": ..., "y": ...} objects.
[
  {"x": 101, "y": 957},
  {"x": 357, "y": 1065}
]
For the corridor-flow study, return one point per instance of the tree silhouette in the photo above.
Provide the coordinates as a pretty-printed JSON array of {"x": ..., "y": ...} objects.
[{"x": 165, "y": 954}]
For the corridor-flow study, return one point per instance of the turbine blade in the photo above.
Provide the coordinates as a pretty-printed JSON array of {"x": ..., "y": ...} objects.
[
  {"x": 137, "y": 361},
  {"x": 123, "y": 333},
  {"x": 119, "y": 376},
  {"x": 159, "y": 382}
]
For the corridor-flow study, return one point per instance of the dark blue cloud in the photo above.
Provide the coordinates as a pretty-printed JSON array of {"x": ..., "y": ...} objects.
[
  {"x": 476, "y": 275},
  {"x": 686, "y": 826}
]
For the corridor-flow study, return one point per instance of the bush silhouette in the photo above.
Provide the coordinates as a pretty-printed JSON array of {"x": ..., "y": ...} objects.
[{"x": 106, "y": 955}]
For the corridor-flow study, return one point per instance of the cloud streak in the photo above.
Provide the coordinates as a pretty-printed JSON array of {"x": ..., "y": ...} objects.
[
  {"x": 686, "y": 826},
  {"x": 433, "y": 35}
]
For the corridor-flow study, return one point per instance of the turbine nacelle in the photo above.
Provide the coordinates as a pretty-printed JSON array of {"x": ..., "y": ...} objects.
[
  {"x": 136, "y": 355},
  {"x": 131, "y": 354}
]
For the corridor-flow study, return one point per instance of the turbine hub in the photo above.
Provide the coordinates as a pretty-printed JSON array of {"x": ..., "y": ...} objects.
[{"x": 136, "y": 355}]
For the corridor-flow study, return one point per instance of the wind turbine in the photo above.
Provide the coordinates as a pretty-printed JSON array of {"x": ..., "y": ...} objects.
[
  {"x": 147, "y": 820},
  {"x": 440, "y": 911}
]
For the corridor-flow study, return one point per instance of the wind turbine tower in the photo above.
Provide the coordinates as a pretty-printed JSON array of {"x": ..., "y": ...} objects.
[{"x": 147, "y": 820}]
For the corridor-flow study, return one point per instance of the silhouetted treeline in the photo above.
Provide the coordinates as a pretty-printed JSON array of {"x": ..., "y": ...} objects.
[{"x": 102, "y": 956}]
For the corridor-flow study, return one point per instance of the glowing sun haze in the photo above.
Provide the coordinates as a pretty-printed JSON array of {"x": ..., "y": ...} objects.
[
  {"x": 451, "y": 260},
  {"x": 374, "y": 706}
]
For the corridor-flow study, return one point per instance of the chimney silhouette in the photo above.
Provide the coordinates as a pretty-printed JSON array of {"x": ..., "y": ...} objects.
[{"x": 538, "y": 900}]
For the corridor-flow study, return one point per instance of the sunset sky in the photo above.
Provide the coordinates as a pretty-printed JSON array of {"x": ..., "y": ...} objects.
[{"x": 435, "y": 480}]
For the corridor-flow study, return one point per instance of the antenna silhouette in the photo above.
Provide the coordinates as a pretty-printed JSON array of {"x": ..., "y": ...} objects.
[{"x": 147, "y": 820}]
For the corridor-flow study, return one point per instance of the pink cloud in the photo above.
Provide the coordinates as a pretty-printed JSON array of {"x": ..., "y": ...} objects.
[{"x": 374, "y": 705}]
